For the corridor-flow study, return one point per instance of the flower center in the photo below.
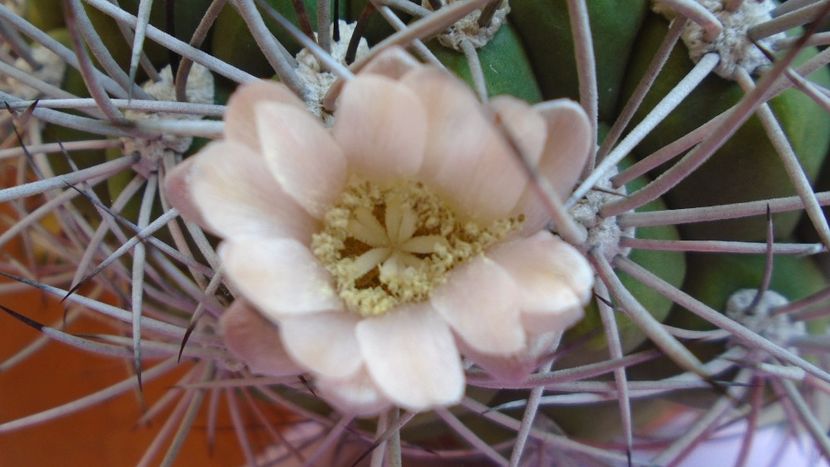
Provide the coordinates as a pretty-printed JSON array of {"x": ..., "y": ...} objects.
[{"x": 390, "y": 245}]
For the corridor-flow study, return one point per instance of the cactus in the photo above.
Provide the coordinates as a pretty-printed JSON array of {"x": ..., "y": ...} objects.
[{"x": 709, "y": 128}]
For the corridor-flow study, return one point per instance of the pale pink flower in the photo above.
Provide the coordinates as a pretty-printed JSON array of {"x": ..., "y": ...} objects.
[{"x": 375, "y": 253}]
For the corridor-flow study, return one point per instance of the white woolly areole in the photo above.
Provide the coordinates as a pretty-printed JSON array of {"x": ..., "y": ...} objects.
[
  {"x": 604, "y": 233},
  {"x": 732, "y": 45},
  {"x": 199, "y": 90},
  {"x": 51, "y": 71},
  {"x": 317, "y": 79},
  {"x": 467, "y": 28},
  {"x": 777, "y": 328}
]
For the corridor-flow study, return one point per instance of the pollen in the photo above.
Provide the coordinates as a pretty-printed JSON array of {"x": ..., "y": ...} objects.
[{"x": 391, "y": 245}]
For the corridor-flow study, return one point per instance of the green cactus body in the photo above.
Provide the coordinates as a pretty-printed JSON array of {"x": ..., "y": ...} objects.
[
  {"x": 747, "y": 167},
  {"x": 504, "y": 62},
  {"x": 544, "y": 26}
]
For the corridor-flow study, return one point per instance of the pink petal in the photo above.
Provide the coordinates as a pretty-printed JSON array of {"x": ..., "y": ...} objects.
[
  {"x": 255, "y": 341},
  {"x": 236, "y": 195},
  {"x": 516, "y": 368},
  {"x": 240, "y": 117},
  {"x": 466, "y": 157},
  {"x": 527, "y": 127},
  {"x": 302, "y": 156},
  {"x": 566, "y": 151},
  {"x": 177, "y": 191},
  {"x": 411, "y": 356},
  {"x": 393, "y": 62},
  {"x": 280, "y": 276},
  {"x": 380, "y": 125},
  {"x": 554, "y": 278},
  {"x": 325, "y": 343},
  {"x": 355, "y": 395},
  {"x": 480, "y": 302}
]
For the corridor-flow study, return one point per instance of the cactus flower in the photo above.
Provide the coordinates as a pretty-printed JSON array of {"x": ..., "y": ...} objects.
[{"x": 381, "y": 250}]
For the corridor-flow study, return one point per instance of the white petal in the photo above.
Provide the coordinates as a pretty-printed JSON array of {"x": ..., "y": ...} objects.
[
  {"x": 466, "y": 157},
  {"x": 240, "y": 120},
  {"x": 411, "y": 356},
  {"x": 393, "y": 62},
  {"x": 236, "y": 195},
  {"x": 323, "y": 342},
  {"x": 302, "y": 156},
  {"x": 554, "y": 278},
  {"x": 355, "y": 395},
  {"x": 516, "y": 368},
  {"x": 177, "y": 191},
  {"x": 527, "y": 127},
  {"x": 480, "y": 301},
  {"x": 280, "y": 276},
  {"x": 566, "y": 150},
  {"x": 255, "y": 341},
  {"x": 381, "y": 127}
]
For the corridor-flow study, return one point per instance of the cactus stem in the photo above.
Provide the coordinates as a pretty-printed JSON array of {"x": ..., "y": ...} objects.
[
  {"x": 805, "y": 414},
  {"x": 143, "y": 19},
  {"x": 40, "y": 186},
  {"x": 303, "y": 19},
  {"x": 688, "y": 84},
  {"x": 199, "y": 35},
  {"x": 547, "y": 438},
  {"x": 528, "y": 419},
  {"x": 144, "y": 61},
  {"x": 170, "y": 42},
  {"x": 41, "y": 340},
  {"x": 279, "y": 59},
  {"x": 806, "y": 14},
  {"x": 58, "y": 147},
  {"x": 96, "y": 90},
  {"x": 643, "y": 86},
  {"x": 645, "y": 321},
  {"x": 169, "y": 424},
  {"x": 586, "y": 68},
  {"x": 488, "y": 12},
  {"x": 470, "y": 437},
  {"x": 56, "y": 47},
  {"x": 696, "y": 12},
  {"x": 323, "y": 25},
  {"x": 379, "y": 452},
  {"x": 189, "y": 417},
  {"x": 357, "y": 34},
  {"x": 417, "y": 45},
  {"x": 87, "y": 401},
  {"x": 756, "y": 400},
  {"x": 721, "y": 246},
  {"x": 705, "y": 424},
  {"x": 137, "y": 282},
  {"x": 748, "y": 337},
  {"x": 714, "y": 213},
  {"x": 239, "y": 428},
  {"x": 405, "y": 6},
  {"x": 790, "y": 161},
  {"x": 475, "y": 69},
  {"x": 18, "y": 45},
  {"x": 667, "y": 152},
  {"x": 141, "y": 105},
  {"x": 612, "y": 335},
  {"x": 737, "y": 116}
]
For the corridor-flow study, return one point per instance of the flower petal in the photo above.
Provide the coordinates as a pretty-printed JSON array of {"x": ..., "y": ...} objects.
[
  {"x": 554, "y": 278},
  {"x": 302, "y": 156},
  {"x": 177, "y": 191},
  {"x": 240, "y": 117},
  {"x": 411, "y": 356},
  {"x": 516, "y": 368},
  {"x": 566, "y": 151},
  {"x": 323, "y": 342},
  {"x": 393, "y": 62},
  {"x": 480, "y": 302},
  {"x": 527, "y": 127},
  {"x": 463, "y": 144},
  {"x": 356, "y": 395},
  {"x": 381, "y": 127},
  {"x": 236, "y": 195},
  {"x": 280, "y": 276},
  {"x": 255, "y": 341}
]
